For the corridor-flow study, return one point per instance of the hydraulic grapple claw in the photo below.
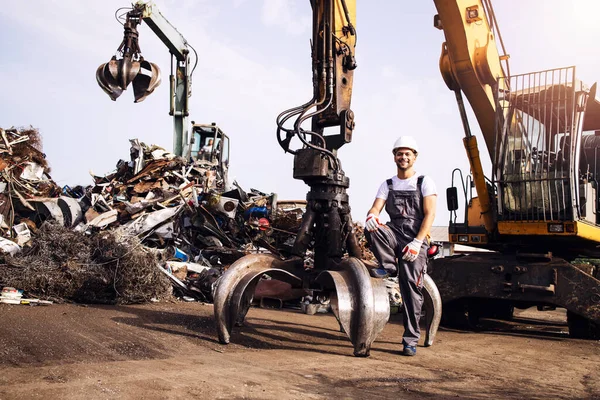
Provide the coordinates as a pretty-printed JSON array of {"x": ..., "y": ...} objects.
[
  {"x": 360, "y": 303},
  {"x": 114, "y": 76}
]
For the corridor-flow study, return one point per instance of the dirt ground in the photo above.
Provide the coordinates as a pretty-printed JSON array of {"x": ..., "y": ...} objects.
[{"x": 170, "y": 351}]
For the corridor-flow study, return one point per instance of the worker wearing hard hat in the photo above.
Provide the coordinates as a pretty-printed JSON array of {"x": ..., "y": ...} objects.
[{"x": 400, "y": 245}]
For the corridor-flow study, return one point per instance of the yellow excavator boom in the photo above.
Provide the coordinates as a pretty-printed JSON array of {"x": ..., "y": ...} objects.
[
  {"x": 470, "y": 63},
  {"x": 470, "y": 60}
]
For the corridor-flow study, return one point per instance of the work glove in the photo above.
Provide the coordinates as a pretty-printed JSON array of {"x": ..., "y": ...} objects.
[
  {"x": 411, "y": 250},
  {"x": 372, "y": 223}
]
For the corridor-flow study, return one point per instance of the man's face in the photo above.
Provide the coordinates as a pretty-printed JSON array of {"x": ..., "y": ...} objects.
[{"x": 404, "y": 158}]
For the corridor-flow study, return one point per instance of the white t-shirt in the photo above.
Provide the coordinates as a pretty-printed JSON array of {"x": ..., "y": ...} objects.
[{"x": 427, "y": 187}]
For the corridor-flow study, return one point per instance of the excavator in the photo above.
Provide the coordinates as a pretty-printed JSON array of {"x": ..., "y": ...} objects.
[
  {"x": 536, "y": 211},
  {"x": 207, "y": 143}
]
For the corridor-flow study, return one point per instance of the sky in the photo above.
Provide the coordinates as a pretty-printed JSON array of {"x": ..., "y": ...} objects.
[{"x": 254, "y": 62}]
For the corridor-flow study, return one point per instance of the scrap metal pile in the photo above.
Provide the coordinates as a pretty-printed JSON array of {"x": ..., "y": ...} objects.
[
  {"x": 157, "y": 216},
  {"x": 62, "y": 264}
]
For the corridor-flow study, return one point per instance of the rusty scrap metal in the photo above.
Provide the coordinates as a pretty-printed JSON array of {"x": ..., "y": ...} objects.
[{"x": 174, "y": 206}]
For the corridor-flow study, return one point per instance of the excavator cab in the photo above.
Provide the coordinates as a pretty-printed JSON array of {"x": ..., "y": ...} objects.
[
  {"x": 547, "y": 162},
  {"x": 209, "y": 143},
  {"x": 546, "y": 165},
  {"x": 209, "y": 147}
]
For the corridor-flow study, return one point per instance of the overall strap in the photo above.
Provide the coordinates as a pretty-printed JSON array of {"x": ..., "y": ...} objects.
[
  {"x": 419, "y": 184},
  {"x": 390, "y": 184}
]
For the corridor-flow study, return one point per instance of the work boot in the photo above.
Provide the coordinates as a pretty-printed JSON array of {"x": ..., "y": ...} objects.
[
  {"x": 409, "y": 350},
  {"x": 380, "y": 273}
]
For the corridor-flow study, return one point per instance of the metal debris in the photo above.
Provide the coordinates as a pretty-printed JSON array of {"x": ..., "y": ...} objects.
[{"x": 178, "y": 215}]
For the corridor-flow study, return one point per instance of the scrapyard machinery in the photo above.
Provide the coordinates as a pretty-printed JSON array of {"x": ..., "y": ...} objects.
[
  {"x": 334, "y": 270},
  {"x": 538, "y": 211},
  {"x": 207, "y": 142}
]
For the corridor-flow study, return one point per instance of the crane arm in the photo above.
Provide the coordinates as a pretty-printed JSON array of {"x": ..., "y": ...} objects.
[
  {"x": 470, "y": 61},
  {"x": 180, "y": 80},
  {"x": 166, "y": 32},
  {"x": 115, "y": 76},
  {"x": 334, "y": 41},
  {"x": 316, "y": 162},
  {"x": 333, "y": 63}
]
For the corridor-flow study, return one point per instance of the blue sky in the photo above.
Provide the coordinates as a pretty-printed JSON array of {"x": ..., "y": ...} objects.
[{"x": 254, "y": 63}]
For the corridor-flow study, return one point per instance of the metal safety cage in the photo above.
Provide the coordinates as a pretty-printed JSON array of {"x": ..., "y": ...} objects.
[{"x": 538, "y": 134}]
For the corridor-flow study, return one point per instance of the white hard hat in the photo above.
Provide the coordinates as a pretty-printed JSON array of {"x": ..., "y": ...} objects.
[{"x": 407, "y": 142}]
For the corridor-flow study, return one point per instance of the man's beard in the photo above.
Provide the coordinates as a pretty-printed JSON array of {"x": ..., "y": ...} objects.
[{"x": 401, "y": 167}]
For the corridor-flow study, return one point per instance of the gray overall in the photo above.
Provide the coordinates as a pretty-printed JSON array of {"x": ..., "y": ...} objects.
[{"x": 405, "y": 208}]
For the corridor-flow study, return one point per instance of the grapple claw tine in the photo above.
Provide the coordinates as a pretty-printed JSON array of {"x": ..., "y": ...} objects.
[
  {"x": 107, "y": 82},
  {"x": 432, "y": 308},
  {"x": 235, "y": 289},
  {"x": 128, "y": 70},
  {"x": 112, "y": 69},
  {"x": 146, "y": 80},
  {"x": 360, "y": 303}
]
